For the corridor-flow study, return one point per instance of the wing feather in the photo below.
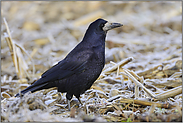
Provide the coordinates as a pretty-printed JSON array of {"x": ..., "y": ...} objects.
[{"x": 62, "y": 70}]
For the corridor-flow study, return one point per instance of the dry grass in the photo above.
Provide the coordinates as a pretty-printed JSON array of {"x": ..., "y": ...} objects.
[{"x": 142, "y": 78}]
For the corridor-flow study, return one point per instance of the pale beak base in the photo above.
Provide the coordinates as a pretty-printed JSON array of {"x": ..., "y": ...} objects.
[{"x": 108, "y": 26}]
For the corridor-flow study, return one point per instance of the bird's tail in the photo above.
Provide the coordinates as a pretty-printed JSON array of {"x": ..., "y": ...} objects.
[{"x": 32, "y": 88}]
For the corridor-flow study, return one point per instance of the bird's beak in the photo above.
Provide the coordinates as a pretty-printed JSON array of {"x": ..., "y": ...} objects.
[{"x": 108, "y": 26}]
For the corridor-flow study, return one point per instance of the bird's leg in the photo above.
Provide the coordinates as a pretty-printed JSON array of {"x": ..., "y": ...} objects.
[
  {"x": 79, "y": 100},
  {"x": 69, "y": 106},
  {"x": 69, "y": 97}
]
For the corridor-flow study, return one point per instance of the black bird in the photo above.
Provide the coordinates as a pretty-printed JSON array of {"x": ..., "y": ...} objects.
[{"x": 81, "y": 67}]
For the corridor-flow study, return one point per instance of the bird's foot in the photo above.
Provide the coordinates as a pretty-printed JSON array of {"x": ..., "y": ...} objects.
[{"x": 69, "y": 105}]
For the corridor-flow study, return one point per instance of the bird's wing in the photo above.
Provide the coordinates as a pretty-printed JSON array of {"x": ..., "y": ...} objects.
[
  {"x": 62, "y": 70},
  {"x": 59, "y": 71}
]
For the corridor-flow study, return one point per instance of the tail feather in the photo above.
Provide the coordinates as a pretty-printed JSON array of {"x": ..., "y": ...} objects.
[{"x": 32, "y": 88}]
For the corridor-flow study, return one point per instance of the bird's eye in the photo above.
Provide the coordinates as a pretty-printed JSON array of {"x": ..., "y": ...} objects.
[{"x": 102, "y": 25}]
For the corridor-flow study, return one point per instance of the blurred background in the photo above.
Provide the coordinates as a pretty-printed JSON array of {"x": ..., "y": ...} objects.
[
  {"x": 41, "y": 33},
  {"x": 49, "y": 30}
]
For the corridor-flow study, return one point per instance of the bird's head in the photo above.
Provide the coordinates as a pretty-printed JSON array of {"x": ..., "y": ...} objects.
[
  {"x": 102, "y": 26},
  {"x": 97, "y": 31}
]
